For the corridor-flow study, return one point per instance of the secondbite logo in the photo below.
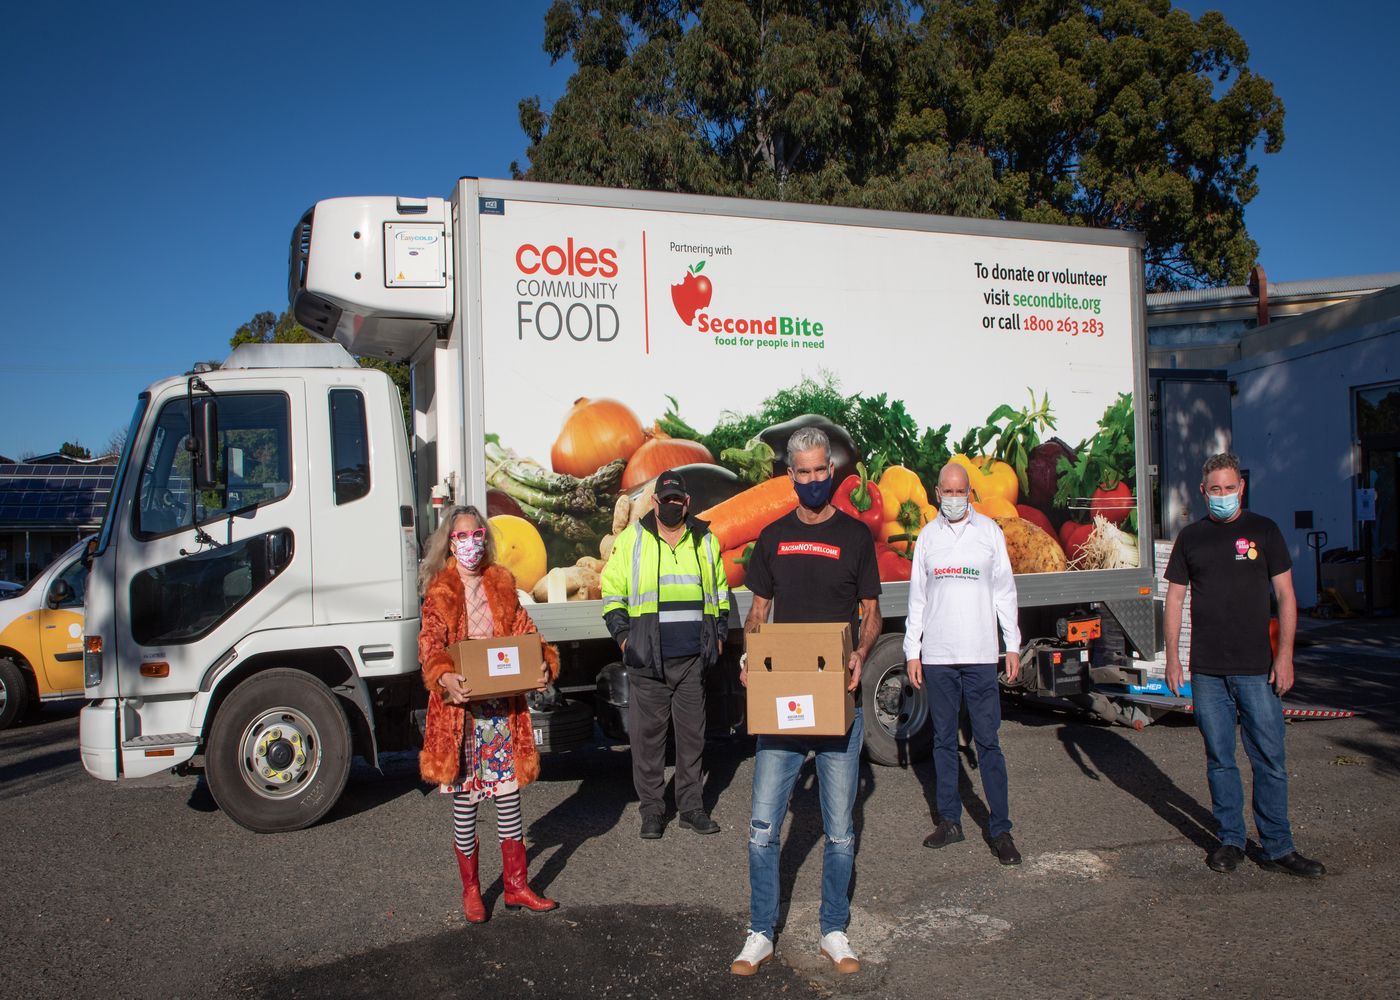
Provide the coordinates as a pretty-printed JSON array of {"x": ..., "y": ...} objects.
[{"x": 692, "y": 294}]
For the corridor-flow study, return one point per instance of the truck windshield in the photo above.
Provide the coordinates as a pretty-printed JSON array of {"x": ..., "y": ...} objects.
[
  {"x": 254, "y": 463},
  {"x": 113, "y": 500}
]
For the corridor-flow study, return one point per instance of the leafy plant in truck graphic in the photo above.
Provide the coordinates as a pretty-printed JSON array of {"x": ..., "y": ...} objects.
[{"x": 692, "y": 294}]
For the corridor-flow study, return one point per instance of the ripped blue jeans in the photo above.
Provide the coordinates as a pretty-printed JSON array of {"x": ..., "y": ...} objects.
[{"x": 775, "y": 771}]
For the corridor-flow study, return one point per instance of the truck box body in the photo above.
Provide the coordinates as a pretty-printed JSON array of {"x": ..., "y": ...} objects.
[{"x": 570, "y": 293}]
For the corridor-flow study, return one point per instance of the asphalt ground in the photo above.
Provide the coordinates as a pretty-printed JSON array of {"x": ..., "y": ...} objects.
[{"x": 144, "y": 889}]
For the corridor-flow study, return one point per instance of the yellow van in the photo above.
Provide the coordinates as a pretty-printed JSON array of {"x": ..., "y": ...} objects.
[{"x": 41, "y": 638}]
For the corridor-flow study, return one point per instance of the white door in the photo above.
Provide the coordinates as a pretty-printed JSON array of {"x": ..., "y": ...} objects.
[{"x": 191, "y": 597}]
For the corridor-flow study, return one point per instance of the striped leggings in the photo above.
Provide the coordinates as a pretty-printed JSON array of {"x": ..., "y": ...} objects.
[{"x": 508, "y": 823}]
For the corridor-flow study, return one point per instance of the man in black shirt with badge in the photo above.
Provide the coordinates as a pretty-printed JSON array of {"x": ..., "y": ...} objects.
[
  {"x": 816, "y": 564},
  {"x": 1229, "y": 559}
]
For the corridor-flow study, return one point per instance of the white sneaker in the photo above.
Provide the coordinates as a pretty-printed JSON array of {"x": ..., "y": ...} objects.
[
  {"x": 837, "y": 947},
  {"x": 757, "y": 950}
]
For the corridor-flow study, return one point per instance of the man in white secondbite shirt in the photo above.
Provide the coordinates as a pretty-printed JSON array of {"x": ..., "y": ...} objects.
[{"x": 960, "y": 589}]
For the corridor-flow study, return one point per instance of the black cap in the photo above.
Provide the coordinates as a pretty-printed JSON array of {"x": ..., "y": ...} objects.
[{"x": 670, "y": 484}]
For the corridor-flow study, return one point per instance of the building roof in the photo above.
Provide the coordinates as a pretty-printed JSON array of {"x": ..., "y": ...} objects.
[
  {"x": 53, "y": 496},
  {"x": 1376, "y": 308},
  {"x": 58, "y": 458},
  {"x": 1279, "y": 291}
]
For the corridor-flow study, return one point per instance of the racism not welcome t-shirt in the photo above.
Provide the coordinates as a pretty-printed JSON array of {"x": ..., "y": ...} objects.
[
  {"x": 1228, "y": 565},
  {"x": 815, "y": 572}
]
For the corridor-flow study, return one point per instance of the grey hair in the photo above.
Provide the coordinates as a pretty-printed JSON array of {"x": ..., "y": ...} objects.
[
  {"x": 805, "y": 439},
  {"x": 438, "y": 550},
  {"x": 1222, "y": 461}
]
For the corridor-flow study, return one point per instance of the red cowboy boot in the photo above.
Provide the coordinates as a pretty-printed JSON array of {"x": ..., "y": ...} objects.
[
  {"x": 517, "y": 893},
  {"x": 471, "y": 885}
]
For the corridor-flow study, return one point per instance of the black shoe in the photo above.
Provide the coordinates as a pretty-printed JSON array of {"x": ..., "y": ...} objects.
[
  {"x": 1295, "y": 864},
  {"x": 943, "y": 834},
  {"x": 1006, "y": 849},
  {"x": 699, "y": 821},
  {"x": 1224, "y": 858},
  {"x": 652, "y": 827}
]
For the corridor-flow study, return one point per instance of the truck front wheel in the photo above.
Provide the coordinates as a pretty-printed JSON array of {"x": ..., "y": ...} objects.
[{"x": 279, "y": 751}]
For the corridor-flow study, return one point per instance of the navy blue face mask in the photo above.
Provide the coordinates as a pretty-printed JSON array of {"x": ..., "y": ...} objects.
[{"x": 813, "y": 495}]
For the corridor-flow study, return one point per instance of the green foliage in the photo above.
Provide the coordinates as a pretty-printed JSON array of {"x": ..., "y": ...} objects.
[
  {"x": 883, "y": 430},
  {"x": 1106, "y": 459},
  {"x": 795, "y": 100},
  {"x": 74, "y": 450},
  {"x": 890, "y": 436},
  {"x": 1111, "y": 113},
  {"x": 1021, "y": 435},
  {"x": 270, "y": 328}
]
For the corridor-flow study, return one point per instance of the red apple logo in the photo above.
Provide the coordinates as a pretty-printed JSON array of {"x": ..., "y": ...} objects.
[{"x": 692, "y": 294}]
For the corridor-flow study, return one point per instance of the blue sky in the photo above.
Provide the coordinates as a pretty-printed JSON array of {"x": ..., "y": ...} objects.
[{"x": 156, "y": 157}]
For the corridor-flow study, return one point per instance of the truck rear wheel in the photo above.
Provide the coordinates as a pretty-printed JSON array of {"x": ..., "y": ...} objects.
[
  {"x": 898, "y": 729},
  {"x": 14, "y": 694},
  {"x": 279, "y": 752}
]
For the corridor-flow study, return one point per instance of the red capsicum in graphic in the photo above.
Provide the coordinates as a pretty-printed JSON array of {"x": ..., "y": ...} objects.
[
  {"x": 894, "y": 565},
  {"x": 860, "y": 497}
]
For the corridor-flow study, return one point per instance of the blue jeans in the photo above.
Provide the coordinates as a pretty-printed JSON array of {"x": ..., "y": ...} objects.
[
  {"x": 948, "y": 685},
  {"x": 1220, "y": 704},
  {"x": 775, "y": 770}
]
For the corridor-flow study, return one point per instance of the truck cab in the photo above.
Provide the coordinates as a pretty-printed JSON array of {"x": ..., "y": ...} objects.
[{"x": 217, "y": 625}]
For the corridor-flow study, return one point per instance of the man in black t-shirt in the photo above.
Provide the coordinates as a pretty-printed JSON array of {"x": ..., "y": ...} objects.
[
  {"x": 816, "y": 564},
  {"x": 1229, "y": 559}
]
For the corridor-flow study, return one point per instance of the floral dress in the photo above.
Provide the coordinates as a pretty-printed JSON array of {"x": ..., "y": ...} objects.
[{"x": 488, "y": 756}]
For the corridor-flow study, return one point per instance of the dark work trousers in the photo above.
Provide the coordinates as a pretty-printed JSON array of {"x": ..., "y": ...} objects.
[
  {"x": 948, "y": 686},
  {"x": 679, "y": 697}
]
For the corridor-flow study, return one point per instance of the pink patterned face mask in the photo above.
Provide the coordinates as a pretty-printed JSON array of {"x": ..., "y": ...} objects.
[{"x": 469, "y": 547}]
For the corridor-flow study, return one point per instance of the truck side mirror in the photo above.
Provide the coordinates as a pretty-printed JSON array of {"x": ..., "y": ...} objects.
[{"x": 203, "y": 443}]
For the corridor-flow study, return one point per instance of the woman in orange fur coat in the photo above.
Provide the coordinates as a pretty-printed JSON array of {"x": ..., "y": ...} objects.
[{"x": 476, "y": 749}]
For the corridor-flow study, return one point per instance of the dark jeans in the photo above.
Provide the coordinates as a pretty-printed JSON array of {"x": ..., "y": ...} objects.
[
  {"x": 679, "y": 697},
  {"x": 948, "y": 686},
  {"x": 1246, "y": 703}
]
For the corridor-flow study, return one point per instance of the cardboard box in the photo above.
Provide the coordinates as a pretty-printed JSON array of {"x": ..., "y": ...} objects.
[
  {"x": 797, "y": 680},
  {"x": 502, "y": 665}
]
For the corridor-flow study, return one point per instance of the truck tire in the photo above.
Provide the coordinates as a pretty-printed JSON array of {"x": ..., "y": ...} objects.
[
  {"x": 898, "y": 727},
  {"x": 278, "y": 754},
  {"x": 14, "y": 694},
  {"x": 563, "y": 729}
]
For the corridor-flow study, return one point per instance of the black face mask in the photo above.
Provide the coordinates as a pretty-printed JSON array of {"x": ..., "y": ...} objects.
[{"x": 671, "y": 513}]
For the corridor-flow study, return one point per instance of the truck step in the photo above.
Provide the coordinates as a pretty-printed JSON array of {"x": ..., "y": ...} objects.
[{"x": 160, "y": 740}]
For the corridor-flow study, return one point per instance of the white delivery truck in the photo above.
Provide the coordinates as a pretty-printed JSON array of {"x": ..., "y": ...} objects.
[{"x": 252, "y": 596}]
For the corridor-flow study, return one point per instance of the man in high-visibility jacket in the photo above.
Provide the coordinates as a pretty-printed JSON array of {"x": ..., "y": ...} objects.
[{"x": 666, "y": 602}]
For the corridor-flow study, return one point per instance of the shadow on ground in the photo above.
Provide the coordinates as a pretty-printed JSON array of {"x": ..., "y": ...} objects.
[
  {"x": 612, "y": 951},
  {"x": 1113, "y": 755}
]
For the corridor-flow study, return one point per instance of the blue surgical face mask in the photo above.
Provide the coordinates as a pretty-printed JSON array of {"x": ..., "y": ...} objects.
[
  {"x": 813, "y": 495},
  {"x": 1224, "y": 507}
]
